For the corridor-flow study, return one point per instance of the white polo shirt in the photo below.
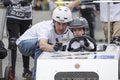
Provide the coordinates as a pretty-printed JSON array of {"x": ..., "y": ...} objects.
[
  {"x": 40, "y": 30},
  {"x": 114, "y": 12}
]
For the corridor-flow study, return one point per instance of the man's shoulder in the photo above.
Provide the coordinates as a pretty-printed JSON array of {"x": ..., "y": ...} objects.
[
  {"x": 46, "y": 21},
  {"x": 44, "y": 25}
]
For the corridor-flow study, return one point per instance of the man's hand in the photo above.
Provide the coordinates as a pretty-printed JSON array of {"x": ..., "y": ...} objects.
[
  {"x": 57, "y": 46},
  {"x": 7, "y": 3}
]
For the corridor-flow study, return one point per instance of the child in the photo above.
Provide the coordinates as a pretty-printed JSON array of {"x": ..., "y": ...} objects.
[{"x": 79, "y": 27}]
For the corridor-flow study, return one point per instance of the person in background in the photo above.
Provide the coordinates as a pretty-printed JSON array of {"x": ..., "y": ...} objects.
[
  {"x": 87, "y": 10},
  {"x": 52, "y": 4},
  {"x": 38, "y": 5},
  {"x": 114, "y": 20},
  {"x": 19, "y": 19}
]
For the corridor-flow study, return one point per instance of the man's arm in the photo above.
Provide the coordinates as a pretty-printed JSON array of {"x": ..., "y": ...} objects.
[
  {"x": 43, "y": 44},
  {"x": 73, "y": 4}
]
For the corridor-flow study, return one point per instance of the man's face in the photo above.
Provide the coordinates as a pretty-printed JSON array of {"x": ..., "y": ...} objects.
[
  {"x": 60, "y": 27},
  {"x": 78, "y": 31}
]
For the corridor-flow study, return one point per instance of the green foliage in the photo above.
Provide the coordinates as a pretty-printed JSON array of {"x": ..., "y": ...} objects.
[
  {"x": 1, "y": 0},
  {"x": 46, "y": 5}
]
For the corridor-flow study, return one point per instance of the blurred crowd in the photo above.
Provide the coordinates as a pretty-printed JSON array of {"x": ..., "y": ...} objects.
[{"x": 49, "y": 4}]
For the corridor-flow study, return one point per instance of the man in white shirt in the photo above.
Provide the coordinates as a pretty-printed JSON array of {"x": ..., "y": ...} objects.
[{"x": 44, "y": 36}]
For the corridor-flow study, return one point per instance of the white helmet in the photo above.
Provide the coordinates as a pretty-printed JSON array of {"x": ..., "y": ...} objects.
[{"x": 62, "y": 14}]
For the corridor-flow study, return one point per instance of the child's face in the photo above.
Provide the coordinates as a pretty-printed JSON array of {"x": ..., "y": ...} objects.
[{"x": 78, "y": 31}]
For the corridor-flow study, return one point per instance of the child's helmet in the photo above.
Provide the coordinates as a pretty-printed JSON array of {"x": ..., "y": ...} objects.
[{"x": 79, "y": 23}]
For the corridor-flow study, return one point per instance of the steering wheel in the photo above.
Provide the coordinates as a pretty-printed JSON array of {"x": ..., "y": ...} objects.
[{"x": 82, "y": 47}]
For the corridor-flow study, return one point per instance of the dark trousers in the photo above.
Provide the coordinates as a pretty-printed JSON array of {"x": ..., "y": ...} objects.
[
  {"x": 16, "y": 28},
  {"x": 90, "y": 17}
]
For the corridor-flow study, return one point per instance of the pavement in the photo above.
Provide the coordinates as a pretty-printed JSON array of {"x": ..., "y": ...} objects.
[{"x": 37, "y": 17}]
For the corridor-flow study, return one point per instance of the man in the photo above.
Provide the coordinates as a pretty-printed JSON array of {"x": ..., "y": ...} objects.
[
  {"x": 44, "y": 36},
  {"x": 19, "y": 19}
]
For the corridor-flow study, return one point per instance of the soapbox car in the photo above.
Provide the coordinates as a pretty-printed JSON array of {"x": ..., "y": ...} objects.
[{"x": 80, "y": 64}]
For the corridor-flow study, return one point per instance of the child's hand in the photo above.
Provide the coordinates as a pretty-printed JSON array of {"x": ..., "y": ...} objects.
[{"x": 86, "y": 43}]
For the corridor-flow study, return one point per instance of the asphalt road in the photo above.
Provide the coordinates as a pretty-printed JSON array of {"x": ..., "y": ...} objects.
[{"x": 38, "y": 16}]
